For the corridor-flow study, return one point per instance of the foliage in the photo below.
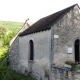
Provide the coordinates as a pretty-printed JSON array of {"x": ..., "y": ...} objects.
[
  {"x": 78, "y": 67},
  {"x": 6, "y": 73},
  {"x": 0, "y": 44},
  {"x": 11, "y": 26},
  {"x": 6, "y": 39},
  {"x": 3, "y": 31},
  {"x": 72, "y": 63},
  {"x": 4, "y": 56}
]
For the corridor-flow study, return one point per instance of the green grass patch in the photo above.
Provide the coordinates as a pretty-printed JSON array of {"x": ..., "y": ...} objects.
[
  {"x": 5, "y": 72},
  {"x": 8, "y": 74}
]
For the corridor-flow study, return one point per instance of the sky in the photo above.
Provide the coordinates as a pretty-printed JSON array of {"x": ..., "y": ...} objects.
[{"x": 20, "y": 10}]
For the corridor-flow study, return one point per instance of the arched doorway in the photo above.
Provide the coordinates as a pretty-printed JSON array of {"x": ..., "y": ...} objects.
[
  {"x": 31, "y": 54},
  {"x": 77, "y": 50}
]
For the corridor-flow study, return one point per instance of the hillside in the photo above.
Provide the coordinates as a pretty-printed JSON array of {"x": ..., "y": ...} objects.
[{"x": 11, "y": 26}]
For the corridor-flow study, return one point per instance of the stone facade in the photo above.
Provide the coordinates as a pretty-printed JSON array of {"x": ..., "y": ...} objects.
[
  {"x": 14, "y": 48},
  {"x": 14, "y": 55},
  {"x": 40, "y": 66},
  {"x": 68, "y": 30}
]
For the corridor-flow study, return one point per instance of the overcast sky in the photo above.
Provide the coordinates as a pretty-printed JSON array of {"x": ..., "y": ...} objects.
[{"x": 20, "y": 10}]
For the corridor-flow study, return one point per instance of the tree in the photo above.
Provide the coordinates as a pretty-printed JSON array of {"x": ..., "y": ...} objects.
[
  {"x": 3, "y": 31},
  {"x": 6, "y": 39}
]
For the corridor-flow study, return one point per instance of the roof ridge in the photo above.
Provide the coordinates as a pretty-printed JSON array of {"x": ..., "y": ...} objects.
[
  {"x": 46, "y": 22},
  {"x": 61, "y": 10}
]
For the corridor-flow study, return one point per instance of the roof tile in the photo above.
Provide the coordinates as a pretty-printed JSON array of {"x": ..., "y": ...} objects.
[{"x": 46, "y": 22}]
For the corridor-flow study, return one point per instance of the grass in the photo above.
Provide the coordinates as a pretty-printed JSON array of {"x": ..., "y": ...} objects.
[
  {"x": 5, "y": 72},
  {"x": 8, "y": 74}
]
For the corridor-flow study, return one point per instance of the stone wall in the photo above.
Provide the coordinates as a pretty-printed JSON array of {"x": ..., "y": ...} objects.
[
  {"x": 14, "y": 55},
  {"x": 62, "y": 73},
  {"x": 64, "y": 34},
  {"x": 14, "y": 49},
  {"x": 40, "y": 66}
]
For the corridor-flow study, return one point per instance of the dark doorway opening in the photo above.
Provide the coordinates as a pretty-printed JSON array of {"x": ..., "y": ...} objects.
[{"x": 77, "y": 51}]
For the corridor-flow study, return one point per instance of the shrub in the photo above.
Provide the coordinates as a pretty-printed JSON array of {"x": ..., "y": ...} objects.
[
  {"x": 72, "y": 63},
  {"x": 78, "y": 66}
]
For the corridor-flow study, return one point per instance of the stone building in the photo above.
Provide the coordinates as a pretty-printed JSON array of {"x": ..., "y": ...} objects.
[{"x": 51, "y": 40}]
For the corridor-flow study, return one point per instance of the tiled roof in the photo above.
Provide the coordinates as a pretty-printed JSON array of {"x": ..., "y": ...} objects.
[{"x": 46, "y": 22}]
